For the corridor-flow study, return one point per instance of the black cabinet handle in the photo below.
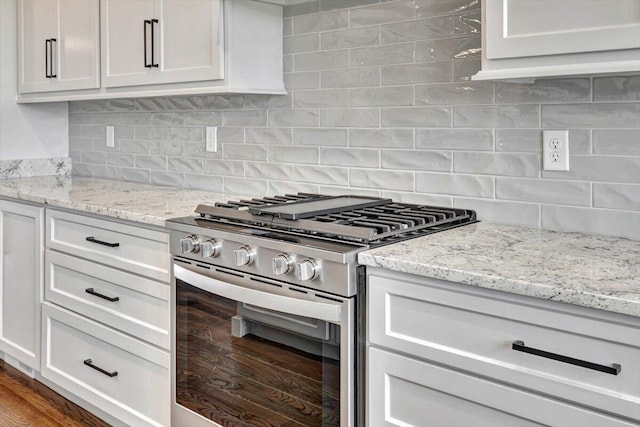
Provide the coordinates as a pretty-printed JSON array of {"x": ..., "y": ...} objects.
[
  {"x": 90, "y": 364},
  {"x": 51, "y": 61},
  {"x": 92, "y": 292},
  {"x": 614, "y": 369},
  {"x": 153, "y": 47},
  {"x": 100, "y": 242},
  {"x": 46, "y": 58},
  {"x": 146, "y": 22}
]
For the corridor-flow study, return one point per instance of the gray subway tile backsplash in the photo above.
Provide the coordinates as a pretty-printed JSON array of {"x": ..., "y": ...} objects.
[
  {"x": 381, "y": 102},
  {"x": 455, "y": 93},
  {"x": 426, "y": 8},
  {"x": 355, "y": 37},
  {"x": 455, "y": 184},
  {"x": 455, "y": 139},
  {"x": 383, "y": 13},
  {"x": 544, "y": 91},
  {"x": 616, "y": 142},
  {"x": 616, "y": 196},
  {"x": 418, "y": 160},
  {"x": 381, "y": 96},
  {"x": 321, "y": 22},
  {"x": 537, "y": 190},
  {"x": 499, "y": 164}
]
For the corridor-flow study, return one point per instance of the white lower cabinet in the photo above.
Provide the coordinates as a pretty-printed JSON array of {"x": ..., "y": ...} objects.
[
  {"x": 21, "y": 241},
  {"x": 121, "y": 375},
  {"x": 409, "y": 392},
  {"x": 446, "y": 354},
  {"x": 106, "y": 318}
]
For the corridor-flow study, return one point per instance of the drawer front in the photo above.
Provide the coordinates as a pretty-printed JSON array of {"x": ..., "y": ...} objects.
[
  {"x": 116, "y": 373},
  {"x": 130, "y": 303},
  {"x": 406, "y": 392},
  {"x": 447, "y": 323},
  {"x": 135, "y": 249}
]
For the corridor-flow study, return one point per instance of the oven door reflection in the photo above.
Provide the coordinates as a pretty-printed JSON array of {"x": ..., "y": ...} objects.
[{"x": 237, "y": 363}]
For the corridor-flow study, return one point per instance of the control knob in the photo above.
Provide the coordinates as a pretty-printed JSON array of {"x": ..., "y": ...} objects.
[
  {"x": 211, "y": 248},
  {"x": 281, "y": 264},
  {"x": 190, "y": 245},
  {"x": 306, "y": 270},
  {"x": 244, "y": 255}
]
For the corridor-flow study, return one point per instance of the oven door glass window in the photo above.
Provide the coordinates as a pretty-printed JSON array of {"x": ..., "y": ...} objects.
[{"x": 238, "y": 364}]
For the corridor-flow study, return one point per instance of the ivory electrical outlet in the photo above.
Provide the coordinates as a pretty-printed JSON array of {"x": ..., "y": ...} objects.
[
  {"x": 211, "y": 139},
  {"x": 555, "y": 150}
]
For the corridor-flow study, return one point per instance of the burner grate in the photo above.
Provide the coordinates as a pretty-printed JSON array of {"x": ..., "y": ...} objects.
[{"x": 383, "y": 223}]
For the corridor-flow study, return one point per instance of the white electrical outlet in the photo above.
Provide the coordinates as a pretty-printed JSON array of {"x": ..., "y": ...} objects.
[
  {"x": 211, "y": 139},
  {"x": 555, "y": 150},
  {"x": 110, "y": 136}
]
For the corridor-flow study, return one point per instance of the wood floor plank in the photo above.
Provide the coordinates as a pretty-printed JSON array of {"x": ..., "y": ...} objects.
[{"x": 27, "y": 402}]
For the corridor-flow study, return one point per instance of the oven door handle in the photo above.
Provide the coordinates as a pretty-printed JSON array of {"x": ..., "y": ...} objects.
[{"x": 329, "y": 312}]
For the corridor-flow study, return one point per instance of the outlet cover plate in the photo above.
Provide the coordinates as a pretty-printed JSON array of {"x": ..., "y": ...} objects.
[
  {"x": 211, "y": 139},
  {"x": 555, "y": 150}
]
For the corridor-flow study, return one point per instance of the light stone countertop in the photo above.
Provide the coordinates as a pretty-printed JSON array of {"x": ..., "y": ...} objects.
[
  {"x": 148, "y": 204},
  {"x": 583, "y": 269}
]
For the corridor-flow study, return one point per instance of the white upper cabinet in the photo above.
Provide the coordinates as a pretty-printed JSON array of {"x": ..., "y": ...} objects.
[
  {"x": 58, "y": 45},
  {"x": 538, "y": 38},
  {"x": 161, "y": 41},
  {"x": 149, "y": 48}
]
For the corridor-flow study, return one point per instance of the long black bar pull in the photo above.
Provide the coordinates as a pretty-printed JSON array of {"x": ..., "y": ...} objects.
[
  {"x": 90, "y": 364},
  {"x": 101, "y": 242},
  {"x": 46, "y": 58},
  {"x": 99, "y": 295},
  {"x": 153, "y": 43},
  {"x": 614, "y": 369},
  {"x": 146, "y": 22},
  {"x": 51, "y": 57}
]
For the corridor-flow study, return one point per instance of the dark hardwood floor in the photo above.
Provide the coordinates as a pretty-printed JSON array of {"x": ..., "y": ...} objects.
[{"x": 27, "y": 402}]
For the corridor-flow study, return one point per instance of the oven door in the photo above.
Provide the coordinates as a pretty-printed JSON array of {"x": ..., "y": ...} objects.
[{"x": 256, "y": 352}]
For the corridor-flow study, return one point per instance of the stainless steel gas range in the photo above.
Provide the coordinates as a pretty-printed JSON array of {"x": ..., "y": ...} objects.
[{"x": 268, "y": 323}]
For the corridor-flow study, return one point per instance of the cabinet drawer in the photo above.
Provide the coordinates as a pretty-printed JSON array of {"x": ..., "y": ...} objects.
[
  {"x": 474, "y": 330},
  {"x": 408, "y": 392},
  {"x": 131, "y": 248},
  {"x": 134, "y": 384},
  {"x": 122, "y": 300}
]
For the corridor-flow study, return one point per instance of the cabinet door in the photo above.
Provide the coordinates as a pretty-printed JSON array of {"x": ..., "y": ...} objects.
[
  {"x": 161, "y": 41},
  {"x": 189, "y": 38},
  {"x": 21, "y": 281},
  {"x": 541, "y": 27},
  {"x": 36, "y": 24},
  {"x": 126, "y": 42},
  {"x": 59, "y": 39},
  {"x": 76, "y": 59}
]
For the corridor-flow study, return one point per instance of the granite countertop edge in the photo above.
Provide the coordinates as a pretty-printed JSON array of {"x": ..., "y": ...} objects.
[
  {"x": 610, "y": 282},
  {"x": 445, "y": 256},
  {"x": 141, "y": 203}
]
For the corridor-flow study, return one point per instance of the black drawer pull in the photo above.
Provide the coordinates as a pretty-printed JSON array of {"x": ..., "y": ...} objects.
[
  {"x": 100, "y": 242},
  {"x": 146, "y": 22},
  {"x": 153, "y": 43},
  {"x": 46, "y": 58},
  {"x": 90, "y": 364},
  {"x": 94, "y": 293},
  {"x": 51, "y": 61},
  {"x": 614, "y": 369}
]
